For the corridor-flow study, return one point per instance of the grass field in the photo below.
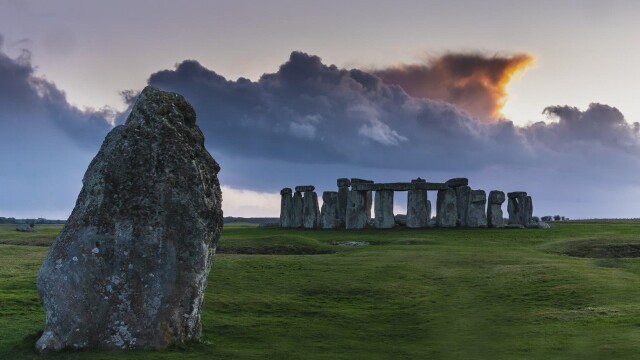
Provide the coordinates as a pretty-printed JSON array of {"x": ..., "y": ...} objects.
[{"x": 410, "y": 294}]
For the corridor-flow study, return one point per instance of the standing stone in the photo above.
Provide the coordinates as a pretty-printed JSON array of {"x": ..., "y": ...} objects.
[
  {"x": 384, "y": 209},
  {"x": 343, "y": 196},
  {"x": 310, "y": 210},
  {"x": 418, "y": 209},
  {"x": 520, "y": 208},
  {"x": 495, "y": 217},
  {"x": 286, "y": 208},
  {"x": 477, "y": 217},
  {"x": 447, "y": 213},
  {"x": 130, "y": 266},
  {"x": 296, "y": 215},
  {"x": 368, "y": 197},
  {"x": 463, "y": 194},
  {"x": 329, "y": 213},
  {"x": 356, "y": 215}
]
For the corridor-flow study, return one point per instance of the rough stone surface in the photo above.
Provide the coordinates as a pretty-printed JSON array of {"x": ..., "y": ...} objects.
[
  {"x": 329, "y": 213},
  {"x": 305, "y": 188},
  {"x": 495, "y": 217},
  {"x": 343, "y": 196},
  {"x": 399, "y": 186},
  {"x": 310, "y": 210},
  {"x": 520, "y": 210},
  {"x": 418, "y": 209},
  {"x": 516, "y": 194},
  {"x": 457, "y": 182},
  {"x": 343, "y": 182},
  {"x": 384, "y": 210},
  {"x": 286, "y": 208},
  {"x": 360, "y": 181},
  {"x": 400, "y": 219},
  {"x": 368, "y": 206},
  {"x": 356, "y": 217},
  {"x": 447, "y": 213},
  {"x": 462, "y": 202},
  {"x": 130, "y": 267},
  {"x": 296, "y": 214},
  {"x": 476, "y": 216}
]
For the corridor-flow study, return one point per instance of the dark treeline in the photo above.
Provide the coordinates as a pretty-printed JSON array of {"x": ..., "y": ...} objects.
[{"x": 11, "y": 220}]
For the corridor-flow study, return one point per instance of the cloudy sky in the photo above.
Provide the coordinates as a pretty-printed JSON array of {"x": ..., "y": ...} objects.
[{"x": 535, "y": 96}]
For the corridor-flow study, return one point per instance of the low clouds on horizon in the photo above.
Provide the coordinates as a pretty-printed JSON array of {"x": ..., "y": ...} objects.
[{"x": 310, "y": 122}]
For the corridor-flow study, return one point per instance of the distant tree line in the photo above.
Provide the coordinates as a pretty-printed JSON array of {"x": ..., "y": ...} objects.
[{"x": 12, "y": 220}]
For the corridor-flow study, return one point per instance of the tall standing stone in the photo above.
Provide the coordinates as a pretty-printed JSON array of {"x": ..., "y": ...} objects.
[
  {"x": 495, "y": 217},
  {"x": 384, "y": 209},
  {"x": 463, "y": 198},
  {"x": 356, "y": 217},
  {"x": 343, "y": 197},
  {"x": 286, "y": 208},
  {"x": 130, "y": 266},
  {"x": 296, "y": 215},
  {"x": 329, "y": 213},
  {"x": 368, "y": 197},
  {"x": 310, "y": 210},
  {"x": 519, "y": 208},
  {"x": 477, "y": 216},
  {"x": 418, "y": 209},
  {"x": 447, "y": 212}
]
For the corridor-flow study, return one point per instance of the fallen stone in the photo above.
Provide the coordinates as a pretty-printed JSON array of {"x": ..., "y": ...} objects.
[
  {"x": 447, "y": 213},
  {"x": 26, "y": 228},
  {"x": 130, "y": 266},
  {"x": 400, "y": 219},
  {"x": 305, "y": 188},
  {"x": 329, "y": 213},
  {"x": 454, "y": 183}
]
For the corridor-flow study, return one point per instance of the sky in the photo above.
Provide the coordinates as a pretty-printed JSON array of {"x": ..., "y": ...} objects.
[{"x": 535, "y": 96}]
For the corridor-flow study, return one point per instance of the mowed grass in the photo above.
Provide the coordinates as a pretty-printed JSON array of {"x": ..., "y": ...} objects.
[{"x": 410, "y": 294}]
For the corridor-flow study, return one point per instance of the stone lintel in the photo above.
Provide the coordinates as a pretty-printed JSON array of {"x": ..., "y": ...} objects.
[
  {"x": 516, "y": 194},
  {"x": 305, "y": 188},
  {"x": 399, "y": 186}
]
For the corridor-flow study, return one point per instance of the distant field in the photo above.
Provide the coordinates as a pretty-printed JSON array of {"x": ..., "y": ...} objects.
[{"x": 410, "y": 294}]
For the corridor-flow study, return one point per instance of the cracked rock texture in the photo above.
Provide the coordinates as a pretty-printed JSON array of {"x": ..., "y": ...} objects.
[{"x": 130, "y": 267}]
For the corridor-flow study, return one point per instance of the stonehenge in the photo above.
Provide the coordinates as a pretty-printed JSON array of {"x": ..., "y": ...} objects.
[{"x": 457, "y": 205}]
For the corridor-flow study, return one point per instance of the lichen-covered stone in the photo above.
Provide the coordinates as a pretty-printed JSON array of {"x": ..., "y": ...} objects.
[
  {"x": 130, "y": 267},
  {"x": 329, "y": 213},
  {"x": 495, "y": 217},
  {"x": 356, "y": 217},
  {"x": 296, "y": 212},
  {"x": 463, "y": 193},
  {"x": 418, "y": 209},
  {"x": 476, "y": 215},
  {"x": 310, "y": 210},
  {"x": 384, "y": 210},
  {"x": 286, "y": 207},
  {"x": 447, "y": 212},
  {"x": 343, "y": 195}
]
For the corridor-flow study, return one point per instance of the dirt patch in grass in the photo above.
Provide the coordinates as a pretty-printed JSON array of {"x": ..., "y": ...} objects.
[{"x": 604, "y": 251}]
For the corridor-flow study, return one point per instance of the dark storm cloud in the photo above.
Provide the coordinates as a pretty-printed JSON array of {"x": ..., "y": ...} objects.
[
  {"x": 311, "y": 112},
  {"x": 474, "y": 83}
]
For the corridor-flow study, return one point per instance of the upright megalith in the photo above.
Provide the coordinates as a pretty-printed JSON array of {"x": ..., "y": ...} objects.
[
  {"x": 368, "y": 197},
  {"x": 463, "y": 198},
  {"x": 329, "y": 218},
  {"x": 418, "y": 208},
  {"x": 286, "y": 208},
  {"x": 495, "y": 217},
  {"x": 476, "y": 215},
  {"x": 297, "y": 208},
  {"x": 343, "y": 196},
  {"x": 130, "y": 267},
  {"x": 356, "y": 217},
  {"x": 447, "y": 212},
  {"x": 310, "y": 210},
  {"x": 384, "y": 209},
  {"x": 520, "y": 208}
]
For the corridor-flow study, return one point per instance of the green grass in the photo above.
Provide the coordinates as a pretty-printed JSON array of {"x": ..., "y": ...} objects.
[{"x": 411, "y": 294}]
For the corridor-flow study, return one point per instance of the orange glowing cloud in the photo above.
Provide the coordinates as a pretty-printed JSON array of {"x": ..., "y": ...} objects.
[{"x": 474, "y": 83}]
